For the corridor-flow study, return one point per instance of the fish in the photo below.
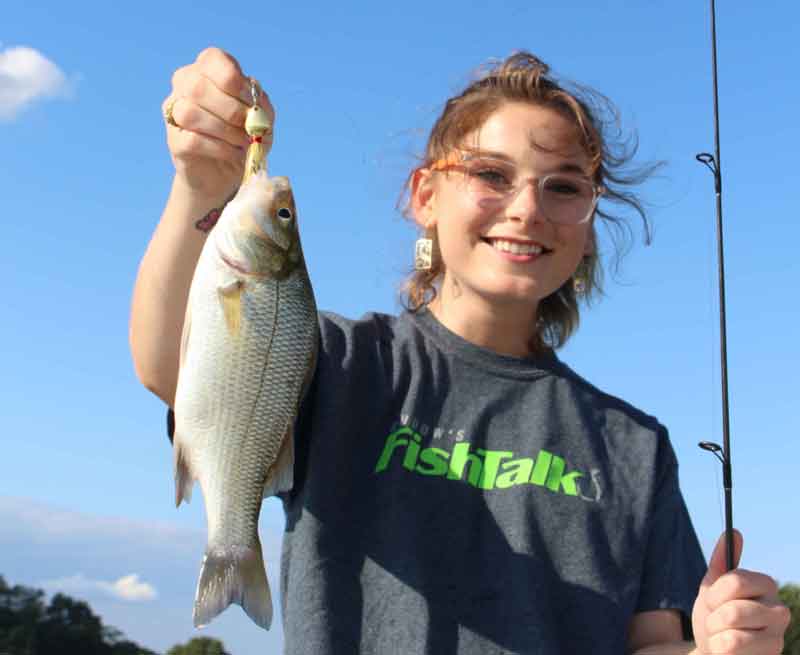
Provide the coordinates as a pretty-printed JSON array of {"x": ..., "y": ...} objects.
[{"x": 248, "y": 354}]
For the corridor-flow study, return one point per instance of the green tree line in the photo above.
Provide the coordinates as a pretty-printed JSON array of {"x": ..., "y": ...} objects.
[
  {"x": 31, "y": 626},
  {"x": 790, "y": 596},
  {"x": 65, "y": 626}
]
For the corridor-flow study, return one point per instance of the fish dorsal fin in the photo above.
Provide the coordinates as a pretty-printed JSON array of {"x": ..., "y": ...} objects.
[{"x": 230, "y": 290}]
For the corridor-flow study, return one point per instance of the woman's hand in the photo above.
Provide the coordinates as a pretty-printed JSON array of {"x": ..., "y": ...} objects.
[
  {"x": 208, "y": 105},
  {"x": 738, "y": 611}
]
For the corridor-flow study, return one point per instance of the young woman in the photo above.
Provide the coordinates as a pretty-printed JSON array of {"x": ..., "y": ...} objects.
[{"x": 458, "y": 488}]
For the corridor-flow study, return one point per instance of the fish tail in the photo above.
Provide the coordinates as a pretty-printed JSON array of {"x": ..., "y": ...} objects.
[{"x": 233, "y": 575}]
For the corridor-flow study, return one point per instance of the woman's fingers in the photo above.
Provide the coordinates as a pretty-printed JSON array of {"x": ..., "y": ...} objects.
[
  {"x": 740, "y": 584},
  {"x": 212, "y": 97},
  {"x": 223, "y": 69},
  {"x": 747, "y": 615},
  {"x": 191, "y": 115},
  {"x": 185, "y": 143},
  {"x": 193, "y": 84},
  {"x": 226, "y": 75},
  {"x": 205, "y": 115}
]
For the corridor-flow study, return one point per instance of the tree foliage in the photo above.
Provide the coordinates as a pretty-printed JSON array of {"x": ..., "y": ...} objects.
[
  {"x": 29, "y": 626},
  {"x": 790, "y": 596},
  {"x": 199, "y": 646}
]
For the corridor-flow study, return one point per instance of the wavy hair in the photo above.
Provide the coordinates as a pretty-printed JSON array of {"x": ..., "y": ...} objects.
[{"x": 523, "y": 77}]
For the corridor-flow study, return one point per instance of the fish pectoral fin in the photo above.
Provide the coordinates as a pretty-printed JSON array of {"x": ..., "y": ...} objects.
[
  {"x": 184, "y": 479},
  {"x": 280, "y": 476},
  {"x": 227, "y": 280},
  {"x": 230, "y": 297}
]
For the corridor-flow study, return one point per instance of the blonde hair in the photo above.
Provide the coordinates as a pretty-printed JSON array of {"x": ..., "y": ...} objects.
[{"x": 522, "y": 77}]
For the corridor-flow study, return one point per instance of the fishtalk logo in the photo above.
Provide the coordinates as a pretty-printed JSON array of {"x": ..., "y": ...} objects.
[{"x": 485, "y": 469}]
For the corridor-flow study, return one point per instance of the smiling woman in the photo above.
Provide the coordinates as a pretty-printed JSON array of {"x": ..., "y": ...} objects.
[{"x": 457, "y": 488}]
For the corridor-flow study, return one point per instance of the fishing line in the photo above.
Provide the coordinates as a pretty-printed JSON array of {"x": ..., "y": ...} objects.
[{"x": 722, "y": 453}]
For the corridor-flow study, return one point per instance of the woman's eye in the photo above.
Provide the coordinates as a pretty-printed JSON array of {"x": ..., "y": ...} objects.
[
  {"x": 492, "y": 177},
  {"x": 563, "y": 187}
]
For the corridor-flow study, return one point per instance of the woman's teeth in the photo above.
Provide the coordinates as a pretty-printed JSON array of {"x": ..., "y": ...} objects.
[{"x": 516, "y": 248}]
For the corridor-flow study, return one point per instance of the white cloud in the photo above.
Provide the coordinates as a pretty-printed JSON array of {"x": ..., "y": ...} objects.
[
  {"x": 128, "y": 587},
  {"x": 27, "y": 76},
  {"x": 83, "y": 555}
]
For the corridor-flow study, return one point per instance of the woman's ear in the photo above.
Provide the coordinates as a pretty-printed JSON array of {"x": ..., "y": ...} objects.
[{"x": 423, "y": 198}]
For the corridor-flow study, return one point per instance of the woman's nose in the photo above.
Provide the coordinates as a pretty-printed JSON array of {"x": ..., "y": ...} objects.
[{"x": 523, "y": 204}]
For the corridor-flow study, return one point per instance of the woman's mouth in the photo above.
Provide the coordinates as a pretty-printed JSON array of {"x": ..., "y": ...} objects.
[{"x": 524, "y": 250}]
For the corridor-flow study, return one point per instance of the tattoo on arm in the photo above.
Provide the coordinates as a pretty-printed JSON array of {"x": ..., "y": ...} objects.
[{"x": 210, "y": 220}]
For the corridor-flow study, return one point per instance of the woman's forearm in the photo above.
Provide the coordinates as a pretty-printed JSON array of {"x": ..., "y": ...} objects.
[{"x": 162, "y": 288}]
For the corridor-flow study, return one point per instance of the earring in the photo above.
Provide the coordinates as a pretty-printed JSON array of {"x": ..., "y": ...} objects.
[
  {"x": 423, "y": 254},
  {"x": 579, "y": 278}
]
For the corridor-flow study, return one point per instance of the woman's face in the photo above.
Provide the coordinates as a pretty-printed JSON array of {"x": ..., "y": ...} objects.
[{"x": 508, "y": 254}]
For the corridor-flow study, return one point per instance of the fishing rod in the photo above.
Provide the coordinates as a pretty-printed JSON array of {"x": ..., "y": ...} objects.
[{"x": 723, "y": 453}]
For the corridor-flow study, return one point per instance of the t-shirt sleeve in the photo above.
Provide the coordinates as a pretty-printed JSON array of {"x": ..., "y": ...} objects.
[{"x": 674, "y": 564}]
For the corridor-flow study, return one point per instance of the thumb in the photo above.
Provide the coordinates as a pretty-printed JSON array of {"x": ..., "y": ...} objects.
[{"x": 717, "y": 566}]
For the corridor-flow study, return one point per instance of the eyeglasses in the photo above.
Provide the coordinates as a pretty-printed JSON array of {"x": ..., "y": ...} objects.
[{"x": 564, "y": 198}]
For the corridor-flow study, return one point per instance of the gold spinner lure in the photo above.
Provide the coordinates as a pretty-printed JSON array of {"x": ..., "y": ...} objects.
[{"x": 257, "y": 126}]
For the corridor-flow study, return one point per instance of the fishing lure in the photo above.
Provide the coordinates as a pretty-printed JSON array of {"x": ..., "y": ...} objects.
[{"x": 257, "y": 126}]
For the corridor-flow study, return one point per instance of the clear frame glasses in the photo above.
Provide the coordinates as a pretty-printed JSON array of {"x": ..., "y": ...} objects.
[{"x": 564, "y": 198}]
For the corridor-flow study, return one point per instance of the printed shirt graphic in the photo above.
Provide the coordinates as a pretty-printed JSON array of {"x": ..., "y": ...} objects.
[
  {"x": 451, "y": 500},
  {"x": 487, "y": 469}
]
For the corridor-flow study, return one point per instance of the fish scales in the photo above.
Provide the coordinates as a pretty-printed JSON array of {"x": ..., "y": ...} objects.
[
  {"x": 272, "y": 413},
  {"x": 248, "y": 352}
]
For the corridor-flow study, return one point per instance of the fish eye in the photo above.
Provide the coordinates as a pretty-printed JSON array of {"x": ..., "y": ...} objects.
[{"x": 285, "y": 214}]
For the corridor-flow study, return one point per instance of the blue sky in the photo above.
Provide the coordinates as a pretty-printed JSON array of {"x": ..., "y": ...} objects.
[{"x": 86, "y": 492}]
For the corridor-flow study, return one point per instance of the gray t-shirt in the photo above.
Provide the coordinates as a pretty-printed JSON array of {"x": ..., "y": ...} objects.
[{"x": 451, "y": 500}]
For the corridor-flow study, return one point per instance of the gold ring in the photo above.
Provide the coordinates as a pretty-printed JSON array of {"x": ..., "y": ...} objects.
[{"x": 168, "y": 117}]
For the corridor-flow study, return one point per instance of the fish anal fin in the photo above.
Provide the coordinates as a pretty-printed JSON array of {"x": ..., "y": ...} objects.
[
  {"x": 184, "y": 479},
  {"x": 280, "y": 476}
]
